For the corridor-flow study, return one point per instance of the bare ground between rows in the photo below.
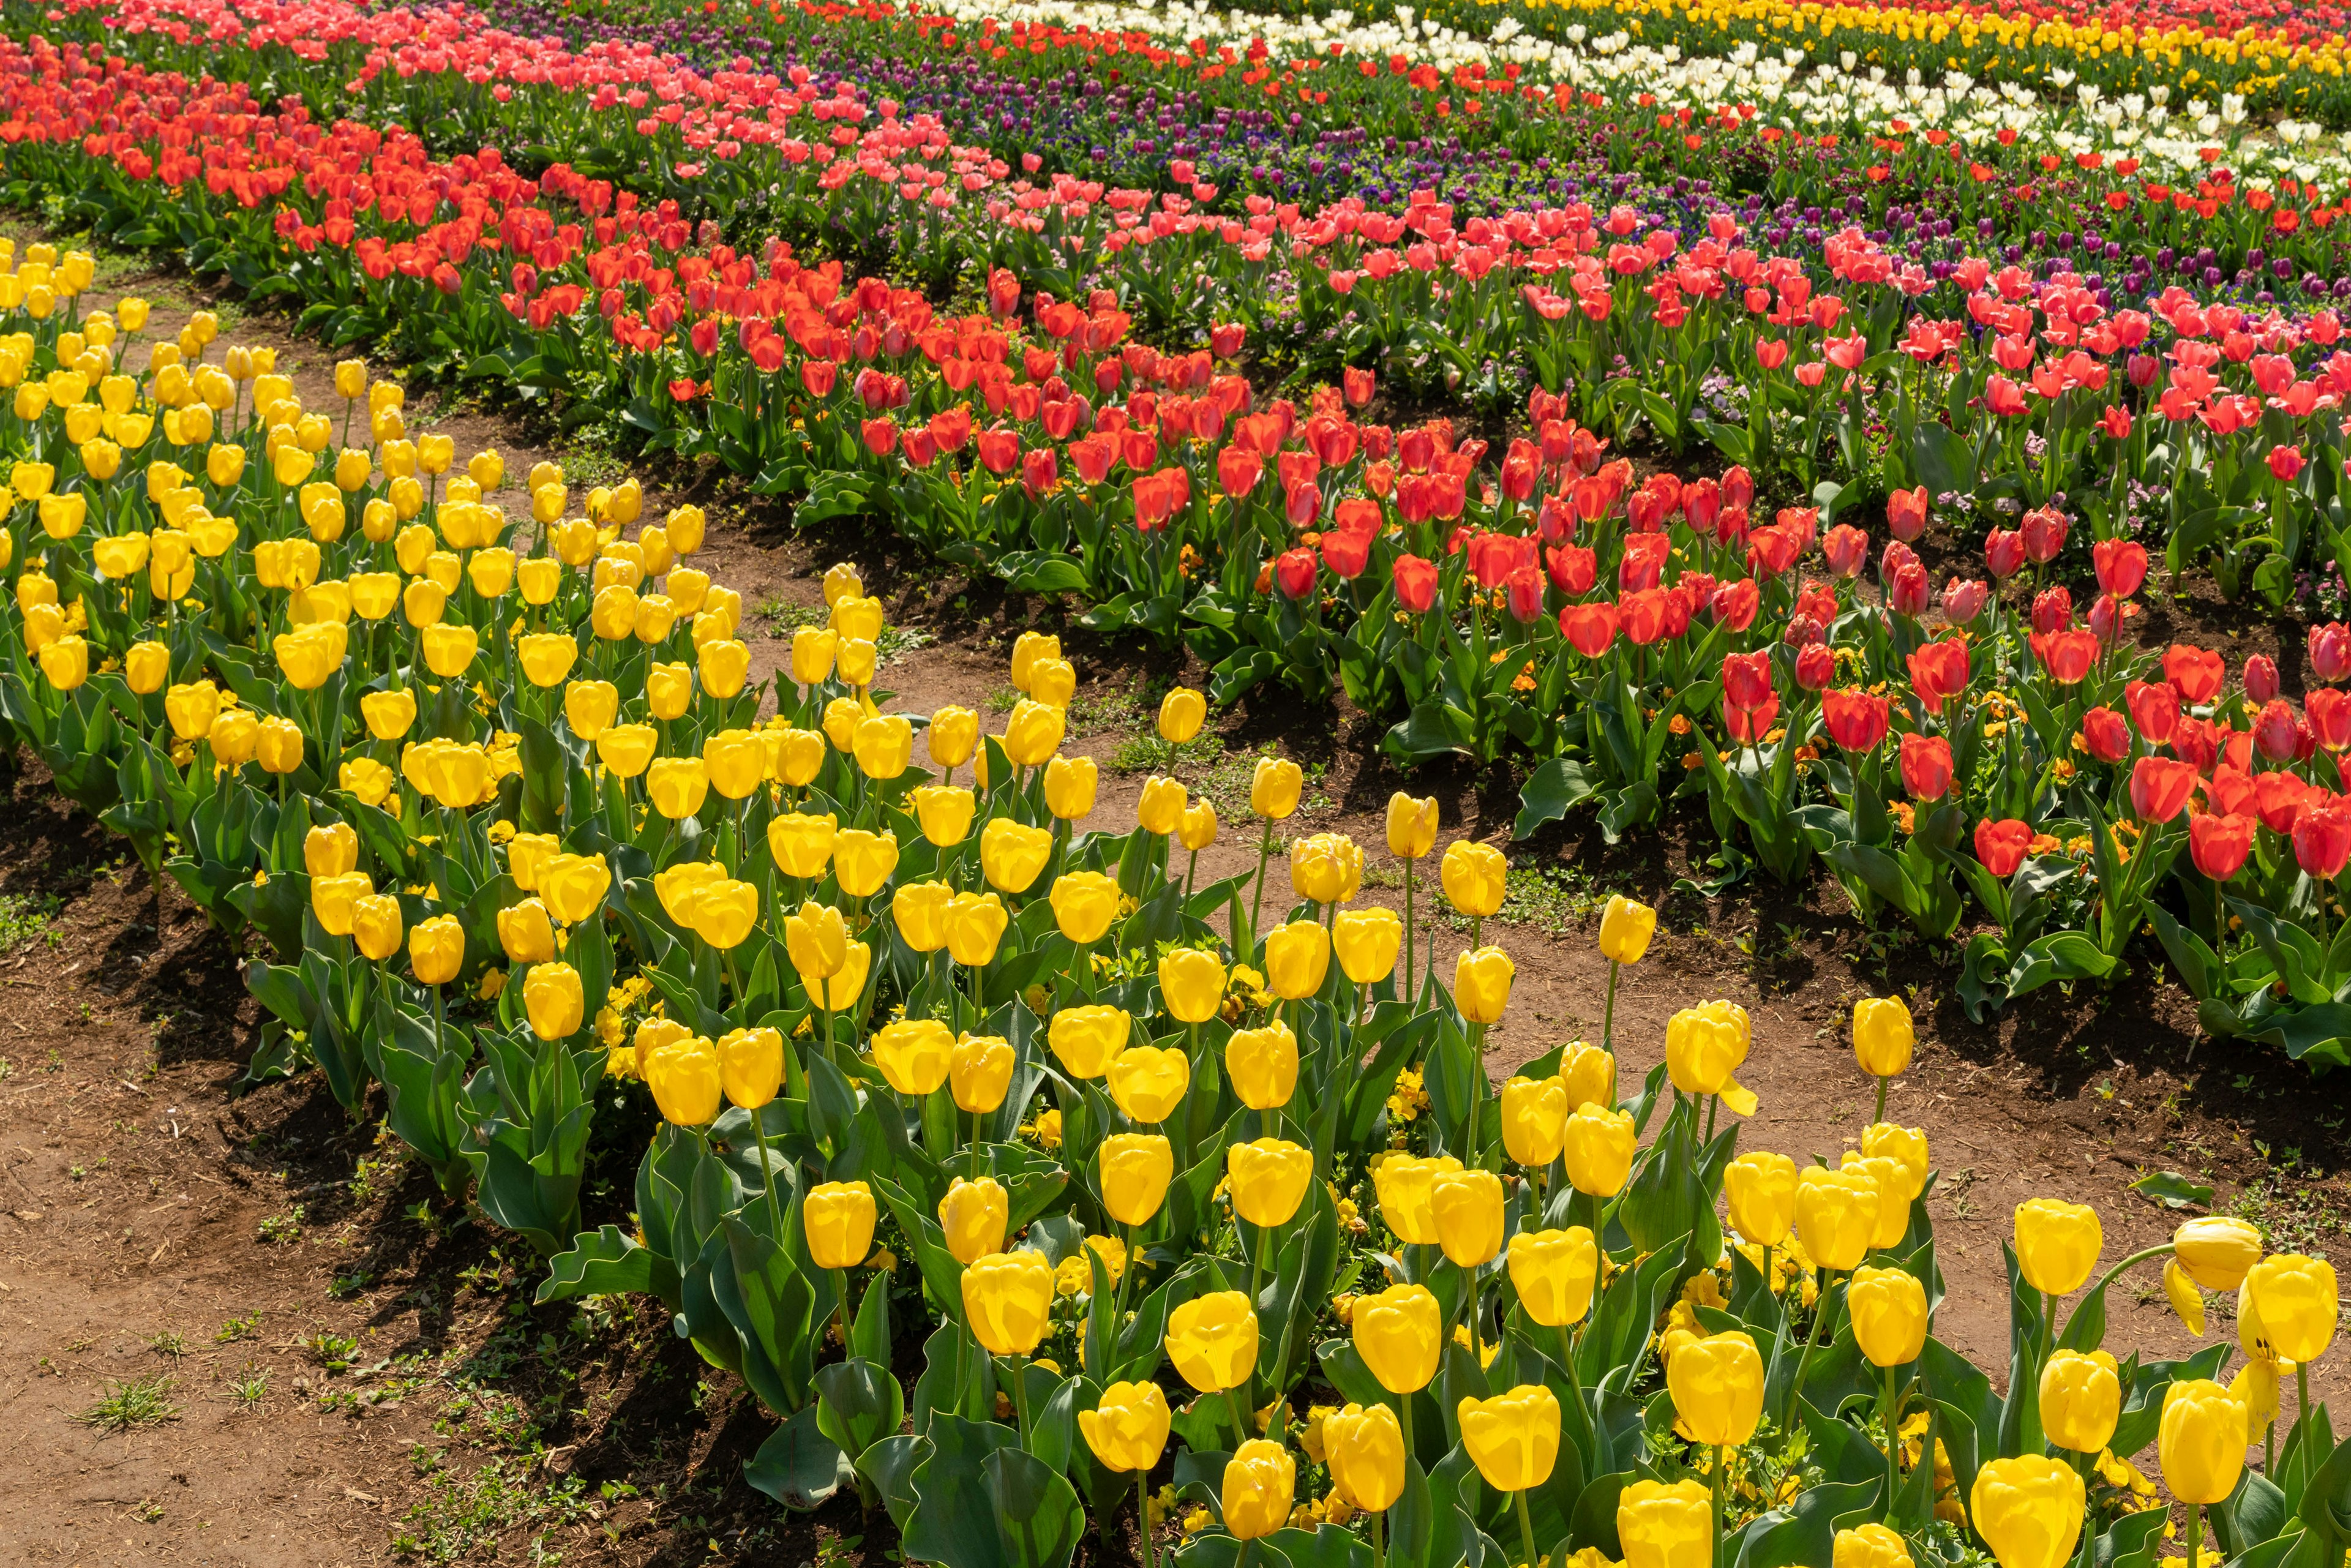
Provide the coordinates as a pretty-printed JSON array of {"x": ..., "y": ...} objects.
[{"x": 159, "y": 1225}]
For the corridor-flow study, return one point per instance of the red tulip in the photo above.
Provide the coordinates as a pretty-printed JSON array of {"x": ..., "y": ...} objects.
[
  {"x": 817, "y": 376},
  {"x": 2279, "y": 800},
  {"x": 2067, "y": 656},
  {"x": 2052, "y": 609},
  {"x": 1938, "y": 670},
  {"x": 1346, "y": 553},
  {"x": 2104, "y": 734},
  {"x": 1644, "y": 616},
  {"x": 1415, "y": 583},
  {"x": 1735, "y": 603},
  {"x": 881, "y": 435},
  {"x": 2276, "y": 731},
  {"x": 1815, "y": 665},
  {"x": 1225, "y": 340},
  {"x": 2330, "y": 651},
  {"x": 1294, "y": 572},
  {"x": 2154, "y": 708},
  {"x": 1748, "y": 726},
  {"x": 1238, "y": 469},
  {"x": 2322, "y": 840},
  {"x": 1926, "y": 765},
  {"x": 2261, "y": 677},
  {"x": 999, "y": 450},
  {"x": 2121, "y": 566},
  {"x": 2328, "y": 713},
  {"x": 2285, "y": 463},
  {"x": 1737, "y": 488},
  {"x": 1963, "y": 600},
  {"x": 1906, "y": 513},
  {"x": 2220, "y": 844},
  {"x": 1589, "y": 628},
  {"x": 1523, "y": 593},
  {"x": 2230, "y": 791},
  {"x": 1643, "y": 562},
  {"x": 2003, "y": 553},
  {"x": 1572, "y": 568},
  {"x": 2000, "y": 845},
  {"x": 2159, "y": 789},
  {"x": 1358, "y": 385},
  {"x": 2197, "y": 673},
  {"x": 2043, "y": 532},
  {"x": 1038, "y": 471},
  {"x": 1846, "y": 549},
  {"x": 1772, "y": 549},
  {"x": 1747, "y": 678},
  {"x": 1906, "y": 590}
]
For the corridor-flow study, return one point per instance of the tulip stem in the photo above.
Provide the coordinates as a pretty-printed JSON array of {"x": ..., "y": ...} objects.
[
  {"x": 2135, "y": 1258},
  {"x": 1257, "y": 895},
  {"x": 1021, "y": 1398},
  {"x": 1240, "y": 1418},
  {"x": 1526, "y": 1525},
  {"x": 1407, "y": 930},
  {"x": 1893, "y": 1470},
  {"x": 1608, "y": 1010},
  {"x": 1241, "y": 1558},
  {"x": 1812, "y": 1340},
  {"x": 1567, "y": 1361},
  {"x": 974, "y": 1145},
  {"x": 1118, "y": 1304},
  {"x": 768, "y": 1175},
  {"x": 847, "y": 1350},
  {"x": 1142, "y": 1515},
  {"x": 1379, "y": 1540},
  {"x": 2192, "y": 1522},
  {"x": 1881, "y": 1102},
  {"x": 1714, "y": 1502},
  {"x": 2302, "y": 1394}
]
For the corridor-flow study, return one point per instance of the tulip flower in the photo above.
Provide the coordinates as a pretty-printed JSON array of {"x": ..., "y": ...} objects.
[
  {"x": 1297, "y": 957},
  {"x": 1084, "y": 903},
  {"x": 1625, "y": 927},
  {"x": 1192, "y": 984},
  {"x": 2057, "y": 1244},
  {"x": 1087, "y": 1039},
  {"x": 1212, "y": 1340},
  {"x": 2029, "y": 1510},
  {"x": 973, "y": 1216},
  {"x": 1665, "y": 1525},
  {"x": 1367, "y": 942},
  {"x": 1181, "y": 713},
  {"x": 685, "y": 1078},
  {"x": 1325, "y": 868},
  {"x": 2217, "y": 1251},
  {"x": 1399, "y": 1333},
  {"x": 1883, "y": 1039},
  {"x": 1598, "y": 1150},
  {"x": 1513, "y": 1439},
  {"x": 1274, "y": 789},
  {"x": 1261, "y": 1064},
  {"x": 1365, "y": 1449},
  {"x": 1135, "y": 1170},
  {"x": 1704, "y": 1046},
  {"x": 1868, "y": 1546},
  {"x": 2296, "y": 1302},
  {"x": 1534, "y": 1120},
  {"x": 551, "y": 998},
  {"x": 912, "y": 1056},
  {"x": 1260, "y": 1481},
  {"x": 2081, "y": 1400},
  {"x": 2201, "y": 1445},
  {"x": 1760, "y": 1190},
  {"x": 1481, "y": 987},
  {"x": 1127, "y": 1431},
  {"x": 1007, "y": 1304},
  {"x": 1554, "y": 1272},
  {"x": 1148, "y": 1083}
]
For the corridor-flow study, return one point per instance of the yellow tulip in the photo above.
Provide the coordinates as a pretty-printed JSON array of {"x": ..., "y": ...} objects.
[
  {"x": 1070, "y": 786},
  {"x": 1212, "y": 1340},
  {"x": 1087, "y": 1039},
  {"x": 1892, "y": 1184},
  {"x": 679, "y": 886},
  {"x": 2216, "y": 1252},
  {"x": 1467, "y": 1206},
  {"x": 1027, "y": 650},
  {"x": 1275, "y": 787},
  {"x": 1475, "y": 877},
  {"x": 1195, "y": 830},
  {"x": 1161, "y": 806},
  {"x": 1868, "y": 1546},
  {"x": 1589, "y": 1073},
  {"x": 1889, "y": 1309},
  {"x": 677, "y": 785},
  {"x": 552, "y": 997},
  {"x": 837, "y": 1217},
  {"x": 1032, "y": 733},
  {"x": 1325, "y": 868},
  {"x": 1148, "y": 1083},
  {"x": 1625, "y": 927},
  {"x": 1084, "y": 904},
  {"x": 816, "y": 939},
  {"x": 1717, "y": 1384},
  {"x": 1412, "y": 826},
  {"x": 191, "y": 707},
  {"x": 2201, "y": 1441},
  {"x": 332, "y": 898},
  {"x": 330, "y": 849},
  {"x": 1127, "y": 1428},
  {"x": 1267, "y": 1179},
  {"x": 2185, "y": 1298},
  {"x": 1191, "y": 984},
  {"x": 863, "y": 862},
  {"x": 1883, "y": 1036},
  {"x": 2081, "y": 1400},
  {"x": 573, "y": 886},
  {"x": 1703, "y": 1049},
  {"x": 2297, "y": 1303},
  {"x": 975, "y": 924},
  {"x": 953, "y": 736},
  {"x": 1906, "y": 1146},
  {"x": 1365, "y": 1450},
  {"x": 1367, "y": 942},
  {"x": 913, "y": 1054},
  {"x": 2057, "y": 1244},
  {"x": 883, "y": 744},
  {"x": 737, "y": 763},
  {"x": 1297, "y": 957},
  {"x": 1402, "y": 1184},
  {"x": 1665, "y": 1525},
  {"x": 389, "y": 714},
  {"x": 1554, "y": 1272},
  {"x": 1760, "y": 1190},
  {"x": 1012, "y": 855},
  {"x": 1481, "y": 985},
  {"x": 944, "y": 811},
  {"x": 2255, "y": 1387},
  {"x": 1260, "y": 1483},
  {"x": 1134, "y": 1168},
  {"x": 801, "y": 844},
  {"x": 1261, "y": 1065},
  {"x": 725, "y": 914},
  {"x": 751, "y": 1065},
  {"x": 979, "y": 1072},
  {"x": 1181, "y": 713},
  {"x": 627, "y": 750},
  {"x": 684, "y": 1077},
  {"x": 1598, "y": 1150},
  {"x": 526, "y": 934},
  {"x": 1399, "y": 1333},
  {"x": 590, "y": 708},
  {"x": 1534, "y": 1119},
  {"x": 973, "y": 1217},
  {"x": 919, "y": 911},
  {"x": 1513, "y": 1438},
  {"x": 376, "y": 926},
  {"x": 436, "y": 950}
]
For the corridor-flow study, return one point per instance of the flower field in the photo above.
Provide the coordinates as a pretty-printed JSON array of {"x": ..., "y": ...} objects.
[{"x": 1778, "y": 418}]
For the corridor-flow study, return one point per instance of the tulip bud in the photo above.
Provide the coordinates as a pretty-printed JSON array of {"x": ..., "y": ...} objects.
[
  {"x": 973, "y": 1216},
  {"x": 1868, "y": 1546},
  {"x": 1716, "y": 1386},
  {"x": 1554, "y": 1272},
  {"x": 1625, "y": 927},
  {"x": 1087, "y": 1039},
  {"x": 1513, "y": 1438},
  {"x": 2081, "y": 1400},
  {"x": 1889, "y": 1309},
  {"x": 1148, "y": 1083},
  {"x": 1181, "y": 713}
]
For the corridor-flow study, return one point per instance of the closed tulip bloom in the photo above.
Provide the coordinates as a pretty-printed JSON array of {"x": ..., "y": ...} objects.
[
  {"x": 1365, "y": 1448},
  {"x": 526, "y": 857},
  {"x": 1665, "y": 1525},
  {"x": 2297, "y": 1303},
  {"x": 1761, "y": 1189},
  {"x": 1467, "y": 1207},
  {"x": 330, "y": 849},
  {"x": 973, "y": 1217},
  {"x": 725, "y": 914},
  {"x": 1275, "y": 787},
  {"x": 1032, "y": 733},
  {"x": 1212, "y": 1340},
  {"x": 1367, "y": 942},
  {"x": 1702, "y": 1052},
  {"x": 912, "y": 1055},
  {"x": 547, "y": 657},
  {"x": 279, "y": 748},
  {"x": 1717, "y": 1384},
  {"x": 1297, "y": 958},
  {"x": 1070, "y": 786},
  {"x": 677, "y": 785},
  {"x": 1589, "y": 1074},
  {"x": 590, "y": 708},
  {"x": 1598, "y": 1150},
  {"x": 736, "y": 761},
  {"x": 526, "y": 934},
  {"x": 680, "y": 885},
  {"x": 2216, "y": 1252},
  {"x": 376, "y": 926},
  {"x": 1011, "y": 855},
  {"x": 863, "y": 862},
  {"x": 1892, "y": 1184},
  {"x": 1148, "y": 1083},
  {"x": 191, "y": 707},
  {"x": 883, "y": 744},
  {"x": 1261, "y": 1064},
  {"x": 1127, "y": 1430},
  {"x": 1412, "y": 826},
  {"x": 552, "y": 997},
  {"x": 975, "y": 924},
  {"x": 235, "y": 736},
  {"x": 1553, "y": 1273},
  {"x": 1191, "y": 984},
  {"x": 1888, "y": 1307},
  {"x": 945, "y": 812},
  {"x": 1906, "y": 1146},
  {"x": 1474, "y": 876},
  {"x": 1482, "y": 984},
  {"x": 2201, "y": 1441},
  {"x": 573, "y": 886},
  {"x": 816, "y": 939},
  {"x": 919, "y": 911},
  {"x": 801, "y": 844},
  {"x": 1195, "y": 830},
  {"x": 724, "y": 664},
  {"x": 685, "y": 1079},
  {"x": 332, "y": 898},
  {"x": 627, "y": 750},
  {"x": 1512, "y": 1437},
  {"x": 1087, "y": 1039},
  {"x": 1882, "y": 1036},
  {"x": 2081, "y": 1400},
  {"x": 1084, "y": 904},
  {"x": 1260, "y": 1485},
  {"x": 1134, "y": 1170},
  {"x": 1868, "y": 1546},
  {"x": 1836, "y": 1215},
  {"x": 813, "y": 648},
  {"x": 953, "y": 736},
  {"x": 2029, "y": 1510},
  {"x": 1534, "y": 1119},
  {"x": 1399, "y": 1333},
  {"x": 1325, "y": 868},
  {"x": 1007, "y": 1299},
  {"x": 1625, "y": 927},
  {"x": 838, "y": 1218},
  {"x": 979, "y": 1072},
  {"x": 800, "y": 756},
  {"x": 2057, "y": 1243},
  {"x": 751, "y": 1065},
  {"x": 1161, "y": 806},
  {"x": 1403, "y": 1184},
  {"x": 1267, "y": 1179},
  {"x": 436, "y": 950},
  {"x": 1181, "y": 713}
]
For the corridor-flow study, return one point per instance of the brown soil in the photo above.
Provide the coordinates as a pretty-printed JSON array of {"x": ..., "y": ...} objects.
[{"x": 145, "y": 1196}]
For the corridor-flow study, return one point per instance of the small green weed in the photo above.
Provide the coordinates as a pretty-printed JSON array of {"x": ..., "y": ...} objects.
[{"x": 127, "y": 1406}]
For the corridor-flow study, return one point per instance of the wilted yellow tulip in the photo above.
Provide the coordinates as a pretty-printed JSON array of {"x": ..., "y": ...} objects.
[
  {"x": 436, "y": 950},
  {"x": 2217, "y": 1251},
  {"x": 552, "y": 997},
  {"x": 838, "y": 1218},
  {"x": 1012, "y": 855},
  {"x": 2201, "y": 1441},
  {"x": 1481, "y": 985},
  {"x": 975, "y": 924},
  {"x": 1127, "y": 1428},
  {"x": 1070, "y": 786},
  {"x": 684, "y": 1077},
  {"x": 1212, "y": 1340},
  {"x": 1625, "y": 927},
  {"x": 1888, "y": 1308},
  {"x": 751, "y": 1065},
  {"x": 2255, "y": 1387},
  {"x": 1467, "y": 1205},
  {"x": 1534, "y": 1120},
  {"x": 1597, "y": 1150},
  {"x": 2081, "y": 1400},
  {"x": 1836, "y": 1215},
  {"x": 973, "y": 1216},
  {"x": 526, "y": 934},
  {"x": 1191, "y": 984},
  {"x": 1260, "y": 1485},
  {"x": 1513, "y": 1438},
  {"x": 1325, "y": 868},
  {"x": 1148, "y": 1083},
  {"x": 944, "y": 811},
  {"x": 1367, "y": 942},
  {"x": 1084, "y": 904},
  {"x": 1665, "y": 1525},
  {"x": 2057, "y": 1244},
  {"x": 1717, "y": 1384},
  {"x": 979, "y": 1072},
  {"x": 1261, "y": 1065},
  {"x": 1760, "y": 1190},
  {"x": 1087, "y": 1039},
  {"x": 1297, "y": 957},
  {"x": 1554, "y": 1272},
  {"x": 1267, "y": 1179},
  {"x": 1134, "y": 1170},
  {"x": 2297, "y": 1303}
]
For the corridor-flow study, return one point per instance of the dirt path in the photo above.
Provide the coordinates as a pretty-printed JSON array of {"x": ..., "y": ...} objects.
[{"x": 352, "y": 1376}]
